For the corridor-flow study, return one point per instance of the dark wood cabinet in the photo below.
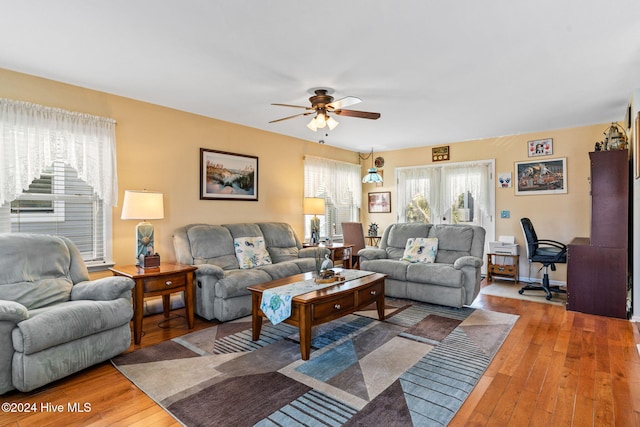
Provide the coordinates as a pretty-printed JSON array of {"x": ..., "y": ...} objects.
[{"x": 598, "y": 267}]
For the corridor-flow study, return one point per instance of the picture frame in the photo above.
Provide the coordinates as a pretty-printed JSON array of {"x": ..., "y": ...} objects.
[
  {"x": 228, "y": 176},
  {"x": 636, "y": 140},
  {"x": 539, "y": 177},
  {"x": 540, "y": 147},
  {"x": 380, "y": 202},
  {"x": 439, "y": 154}
]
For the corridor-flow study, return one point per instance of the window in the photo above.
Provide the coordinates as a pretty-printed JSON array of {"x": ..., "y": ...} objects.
[
  {"x": 339, "y": 183},
  {"x": 57, "y": 176}
]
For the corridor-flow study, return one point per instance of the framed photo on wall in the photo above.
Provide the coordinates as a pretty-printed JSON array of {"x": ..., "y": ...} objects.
[
  {"x": 228, "y": 176},
  {"x": 540, "y": 147},
  {"x": 380, "y": 202},
  {"x": 541, "y": 177}
]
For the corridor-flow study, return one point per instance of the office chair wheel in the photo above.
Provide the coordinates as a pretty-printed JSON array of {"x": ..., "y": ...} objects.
[{"x": 521, "y": 291}]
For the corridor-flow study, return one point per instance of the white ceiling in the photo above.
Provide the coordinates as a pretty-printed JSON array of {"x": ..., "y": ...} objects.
[{"x": 437, "y": 71}]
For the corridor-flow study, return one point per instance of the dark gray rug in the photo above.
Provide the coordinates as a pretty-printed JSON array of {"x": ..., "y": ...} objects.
[{"x": 415, "y": 368}]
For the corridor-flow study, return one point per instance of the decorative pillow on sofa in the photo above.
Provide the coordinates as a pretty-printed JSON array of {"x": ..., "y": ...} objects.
[
  {"x": 251, "y": 252},
  {"x": 420, "y": 249}
]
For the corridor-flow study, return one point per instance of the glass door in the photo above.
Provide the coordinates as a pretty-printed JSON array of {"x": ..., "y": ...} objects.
[{"x": 455, "y": 193}]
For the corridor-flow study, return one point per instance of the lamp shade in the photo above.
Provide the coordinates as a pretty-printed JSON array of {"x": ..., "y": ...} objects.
[
  {"x": 372, "y": 177},
  {"x": 313, "y": 206},
  {"x": 142, "y": 205}
]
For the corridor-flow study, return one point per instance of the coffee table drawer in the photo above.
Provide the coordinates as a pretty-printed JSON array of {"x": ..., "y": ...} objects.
[
  {"x": 370, "y": 294},
  {"x": 332, "y": 307},
  {"x": 164, "y": 282}
]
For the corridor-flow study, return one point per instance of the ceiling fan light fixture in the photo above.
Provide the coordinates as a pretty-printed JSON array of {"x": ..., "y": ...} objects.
[
  {"x": 332, "y": 123},
  {"x": 312, "y": 125},
  {"x": 321, "y": 120}
]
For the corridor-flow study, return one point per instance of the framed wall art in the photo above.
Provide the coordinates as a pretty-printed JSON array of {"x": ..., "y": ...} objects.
[
  {"x": 439, "y": 154},
  {"x": 540, "y": 147},
  {"x": 541, "y": 177},
  {"x": 636, "y": 148},
  {"x": 380, "y": 202},
  {"x": 228, "y": 176}
]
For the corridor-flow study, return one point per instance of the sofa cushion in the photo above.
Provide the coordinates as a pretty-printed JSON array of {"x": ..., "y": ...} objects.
[
  {"x": 393, "y": 268},
  {"x": 282, "y": 243},
  {"x": 420, "y": 249},
  {"x": 397, "y": 236},
  {"x": 69, "y": 321},
  {"x": 435, "y": 274},
  {"x": 454, "y": 242},
  {"x": 34, "y": 270},
  {"x": 251, "y": 252},
  {"x": 212, "y": 244},
  {"x": 235, "y": 282}
]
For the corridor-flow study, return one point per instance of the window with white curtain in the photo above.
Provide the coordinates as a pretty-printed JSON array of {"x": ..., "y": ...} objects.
[
  {"x": 58, "y": 175},
  {"x": 452, "y": 193},
  {"x": 339, "y": 183}
]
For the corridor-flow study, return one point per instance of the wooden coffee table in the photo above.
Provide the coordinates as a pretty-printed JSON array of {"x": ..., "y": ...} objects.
[{"x": 323, "y": 305}]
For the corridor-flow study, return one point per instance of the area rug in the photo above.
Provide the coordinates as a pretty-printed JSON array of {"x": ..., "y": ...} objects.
[
  {"x": 510, "y": 290},
  {"x": 414, "y": 368}
]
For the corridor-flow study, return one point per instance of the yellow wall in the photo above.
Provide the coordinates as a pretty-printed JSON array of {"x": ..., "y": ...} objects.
[
  {"x": 558, "y": 216},
  {"x": 158, "y": 149}
]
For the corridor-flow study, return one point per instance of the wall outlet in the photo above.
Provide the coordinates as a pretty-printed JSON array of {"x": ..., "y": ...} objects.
[{"x": 505, "y": 214}]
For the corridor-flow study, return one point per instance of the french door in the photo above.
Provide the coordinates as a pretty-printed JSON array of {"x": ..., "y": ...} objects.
[{"x": 455, "y": 193}]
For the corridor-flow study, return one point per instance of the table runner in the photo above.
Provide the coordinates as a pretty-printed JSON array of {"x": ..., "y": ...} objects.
[{"x": 276, "y": 302}]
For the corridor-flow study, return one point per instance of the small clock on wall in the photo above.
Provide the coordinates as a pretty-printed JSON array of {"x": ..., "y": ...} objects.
[{"x": 379, "y": 162}]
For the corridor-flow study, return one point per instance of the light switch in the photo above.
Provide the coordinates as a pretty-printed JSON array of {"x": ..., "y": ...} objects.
[{"x": 505, "y": 214}]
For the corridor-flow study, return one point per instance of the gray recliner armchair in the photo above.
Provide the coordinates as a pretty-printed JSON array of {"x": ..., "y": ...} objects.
[{"x": 54, "y": 321}]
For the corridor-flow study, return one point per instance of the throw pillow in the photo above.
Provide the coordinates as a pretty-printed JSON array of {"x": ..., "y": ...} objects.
[
  {"x": 251, "y": 252},
  {"x": 420, "y": 249}
]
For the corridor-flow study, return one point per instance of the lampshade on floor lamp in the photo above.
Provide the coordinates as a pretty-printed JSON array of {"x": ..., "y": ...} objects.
[
  {"x": 314, "y": 206},
  {"x": 143, "y": 205}
]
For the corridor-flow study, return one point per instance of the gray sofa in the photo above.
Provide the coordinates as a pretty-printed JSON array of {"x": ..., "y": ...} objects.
[
  {"x": 54, "y": 321},
  {"x": 452, "y": 280},
  {"x": 221, "y": 285}
]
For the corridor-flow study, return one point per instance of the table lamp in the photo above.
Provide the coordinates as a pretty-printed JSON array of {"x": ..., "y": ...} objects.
[
  {"x": 143, "y": 205},
  {"x": 314, "y": 206}
]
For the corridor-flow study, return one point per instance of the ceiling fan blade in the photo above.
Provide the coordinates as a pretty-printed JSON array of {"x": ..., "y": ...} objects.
[
  {"x": 294, "y": 106},
  {"x": 344, "y": 102},
  {"x": 291, "y": 117},
  {"x": 360, "y": 114}
]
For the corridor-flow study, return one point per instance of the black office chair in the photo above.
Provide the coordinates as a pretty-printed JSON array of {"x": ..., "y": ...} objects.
[{"x": 547, "y": 252}]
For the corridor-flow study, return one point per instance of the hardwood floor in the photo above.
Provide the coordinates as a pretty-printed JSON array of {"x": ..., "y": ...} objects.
[{"x": 556, "y": 368}]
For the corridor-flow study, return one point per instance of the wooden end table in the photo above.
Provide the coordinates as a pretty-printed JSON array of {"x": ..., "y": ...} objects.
[
  {"x": 164, "y": 280},
  {"x": 323, "y": 305},
  {"x": 339, "y": 252}
]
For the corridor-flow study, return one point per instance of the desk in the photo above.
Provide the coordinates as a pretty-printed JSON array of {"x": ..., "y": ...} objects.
[
  {"x": 339, "y": 252},
  {"x": 373, "y": 240},
  {"x": 164, "y": 280}
]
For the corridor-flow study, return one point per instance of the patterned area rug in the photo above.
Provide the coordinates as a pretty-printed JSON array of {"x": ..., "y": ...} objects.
[{"x": 415, "y": 368}]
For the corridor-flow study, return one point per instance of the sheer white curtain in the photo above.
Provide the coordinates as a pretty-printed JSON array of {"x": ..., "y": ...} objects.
[
  {"x": 432, "y": 193},
  {"x": 33, "y": 136},
  {"x": 418, "y": 194},
  {"x": 339, "y": 183}
]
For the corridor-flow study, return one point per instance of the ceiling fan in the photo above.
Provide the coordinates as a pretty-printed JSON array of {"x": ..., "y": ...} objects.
[{"x": 322, "y": 104}]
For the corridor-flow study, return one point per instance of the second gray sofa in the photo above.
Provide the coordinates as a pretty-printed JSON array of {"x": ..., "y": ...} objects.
[
  {"x": 452, "y": 280},
  {"x": 221, "y": 283}
]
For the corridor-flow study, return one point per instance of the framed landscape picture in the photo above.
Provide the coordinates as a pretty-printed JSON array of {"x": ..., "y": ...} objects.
[
  {"x": 228, "y": 176},
  {"x": 541, "y": 177},
  {"x": 380, "y": 202}
]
